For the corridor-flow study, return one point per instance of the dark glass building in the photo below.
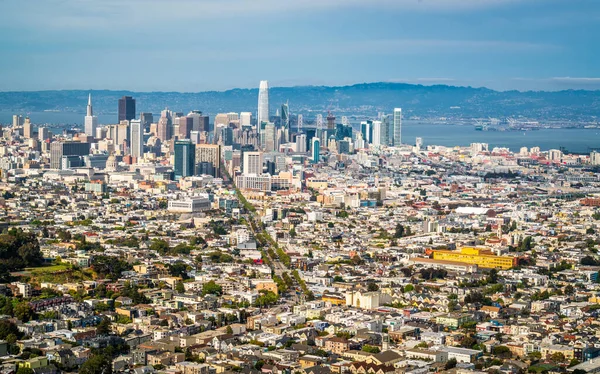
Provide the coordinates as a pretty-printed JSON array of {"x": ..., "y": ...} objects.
[
  {"x": 185, "y": 158},
  {"x": 126, "y": 108}
]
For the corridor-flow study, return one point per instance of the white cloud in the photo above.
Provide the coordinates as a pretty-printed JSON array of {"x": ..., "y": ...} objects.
[{"x": 575, "y": 80}]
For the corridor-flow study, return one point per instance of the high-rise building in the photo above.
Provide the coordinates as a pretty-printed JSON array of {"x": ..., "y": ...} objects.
[
  {"x": 186, "y": 124},
  {"x": 397, "y": 127},
  {"x": 27, "y": 128},
  {"x": 91, "y": 121},
  {"x": 385, "y": 130},
  {"x": 60, "y": 149},
  {"x": 301, "y": 143},
  {"x": 43, "y": 134},
  {"x": 147, "y": 119},
  {"x": 208, "y": 154},
  {"x": 164, "y": 126},
  {"x": 185, "y": 159},
  {"x": 136, "y": 138},
  {"x": 245, "y": 119},
  {"x": 285, "y": 116},
  {"x": 330, "y": 121},
  {"x": 366, "y": 129},
  {"x": 263, "y": 103},
  {"x": 17, "y": 120},
  {"x": 126, "y": 108},
  {"x": 253, "y": 163},
  {"x": 376, "y": 140},
  {"x": 269, "y": 137},
  {"x": 316, "y": 150}
]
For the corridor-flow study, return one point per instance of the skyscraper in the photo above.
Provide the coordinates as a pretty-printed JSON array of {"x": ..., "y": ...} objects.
[
  {"x": 185, "y": 158},
  {"x": 147, "y": 119},
  {"x": 209, "y": 154},
  {"x": 126, "y": 108},
  {"x": 245, "y": 119},
  {"x": 330, "y": 121},
  {"x": 17, "y": 120},
  {"x": 91, "y": 121},
  {"x": 269, "y": 137},
  {"x": 27, "y": 128},
  {"x": 316, "y": 150},
  {"x": 253, "y": 163},
  {"x": 301, "y": 143},
  {"x": 285, "y": 116},
  {"x": 164, "y": 126},
  {"x": 136, "y": 139},
  {"x": 397, "y": 127},
  {"x": 376, "y": 141},
  {"x": 263, "y": 103}
]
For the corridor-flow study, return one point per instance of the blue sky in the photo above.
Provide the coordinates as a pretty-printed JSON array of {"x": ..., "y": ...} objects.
[{"x": 198, "y": 45}]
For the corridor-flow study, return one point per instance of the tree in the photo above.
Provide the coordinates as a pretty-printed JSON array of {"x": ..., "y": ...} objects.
[
  {"x": 104, "y": 327},
  {"x": 370, "y": 348},
  {"x": 502, "y": 351},
  {"x": 178, "y": 269},
  {"x": 24, "y": 312},
  {"x": 399, "y": 233},
  {"x": 557, "y": 358},
  {"x": 450, "y": 364},
  {"x": 409, "y": 288},
  {"x": 229, "y": 330},
  {"x": 569, "y": 290},
  {"x": 97, "y": 364},
  {"x": 160, "y": 246},
  {"x": 372, "y": 286},
  {"x": 338, "y": 278},
  {"x": 179, "y": 287},
  {"x": 24, "y": 370},
  {"x": 211, "y": 288}
]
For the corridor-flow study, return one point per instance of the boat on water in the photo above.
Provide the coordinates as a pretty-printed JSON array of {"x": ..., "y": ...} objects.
[{"x": 478, "y": 128}]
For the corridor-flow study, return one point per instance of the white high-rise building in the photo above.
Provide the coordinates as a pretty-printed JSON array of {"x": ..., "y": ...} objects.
[
  {"x": 376, "y": 125},
  {"x": 253, "y": 163},
  {"x": 397, "y": 127},
  {"x": 136, "y": 138},
  {"x": 269, "y": 137},
  {"x": 245, "y": 119},
  {"x": 91, "y": 121},
  {"x": 301, "y": 143},
  {"x": 263, "y": 103}
]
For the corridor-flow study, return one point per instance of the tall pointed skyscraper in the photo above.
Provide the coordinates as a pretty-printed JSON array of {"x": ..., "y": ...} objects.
[
  {"x": 91, "y": 121},
  {"x": 263, "y": 104}
]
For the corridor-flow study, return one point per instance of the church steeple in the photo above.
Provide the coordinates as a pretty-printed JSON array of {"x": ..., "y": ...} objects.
[{"x": 89, "y": 106}]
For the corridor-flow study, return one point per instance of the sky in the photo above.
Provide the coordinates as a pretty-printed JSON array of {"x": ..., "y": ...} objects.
[{"x": 200, "y": 45}]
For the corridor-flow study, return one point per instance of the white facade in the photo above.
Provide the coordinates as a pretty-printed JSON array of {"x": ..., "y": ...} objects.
[
  {"x": 253, "y": 163},
  {"x": 301, "y": 143},
  {"x": 397, "y": 126},
  {"x": 191, "y": 205},
  {"x": 263, "y": 103},
  {"x": 137, "y": 139},
  {"x": 245, "y": 119},
  {"x": 91, "y": 121}
]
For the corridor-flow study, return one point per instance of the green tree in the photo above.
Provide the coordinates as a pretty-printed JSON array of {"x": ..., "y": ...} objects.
[
  {"x": 450, "y": 364},
  {"x": 399, "y": 233},
  {"x": 409, "y": 288},
  {"x": 104, "y": 327},
  {"x": 211, "y": 288},
  {"x": 229, "y": 330},
  {"x": 24, "y": 370},
  {"x": 24, "y": 312},
  {"x": 97, "y": 364},
  {"x": 179, "y": 287},
  {"x": 372, "y": 286},
  {"x": 371, "y": 348}
]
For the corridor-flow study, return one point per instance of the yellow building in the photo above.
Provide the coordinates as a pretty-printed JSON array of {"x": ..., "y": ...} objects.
[
  {"x": 481, "y": 257},
  {"x": 334, "y": 299},
  {"x": 267, "y": 286}
]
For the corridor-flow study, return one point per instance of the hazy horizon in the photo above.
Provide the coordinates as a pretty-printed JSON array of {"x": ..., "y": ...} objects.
[{"x": 206, "y": 45}]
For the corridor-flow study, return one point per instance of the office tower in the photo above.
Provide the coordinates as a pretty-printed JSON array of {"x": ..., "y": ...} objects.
[
  {"x": 364, "y": 130},
  {"x": 91, "y": 121},
  {"x": 126, "y": 108},
  {"x": 17, "y": 120},
  {"x": 344, "y": 146},
  {"x": 195, "y": 137},
  {"x": 245, "y": 119},
  {"x": 185, "y": 159},
  {"x": 419, "y": 143},
  {"x": 147, "y": 119},
  {"x": 316, "y": 150},
  {"x": 100, "y": 132},
  {"x": 263, "y": 103},
  {"x": 60, "y": 149},
  {"x": 27, "y": 128},
  {"x": 253, "y": 163},
  {"x": 233, "y": 118},
  {"x": 301, "y": 143},
  {"x": 122, "y": 138},
  {"x": 285, "y": 115},
  {"x": 385, "y": 130},
  {"x": 330, "y": 122},
  {"x": 185, "y": 127},
  {"x": 136, "y": 139},
  {"x": 164, "y": 126},
  {"x": 43, "y": 134},
  {"x": 208, "y": 154},
  {"x": 376, "y": 140},
  {"x": 269, "y": 137},
  {"x": 397, "y": 127},
  {"x": 342, "y": 131}
]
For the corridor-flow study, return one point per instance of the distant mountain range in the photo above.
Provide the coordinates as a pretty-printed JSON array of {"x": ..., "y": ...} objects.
[{"x": 365, "y": 99}]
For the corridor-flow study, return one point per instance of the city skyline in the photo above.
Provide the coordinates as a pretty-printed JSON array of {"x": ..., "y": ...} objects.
[{"x": 501, "y": 44}]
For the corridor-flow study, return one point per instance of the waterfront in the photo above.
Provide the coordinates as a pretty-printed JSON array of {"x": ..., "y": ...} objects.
[{"x": 574, "y": 140}]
